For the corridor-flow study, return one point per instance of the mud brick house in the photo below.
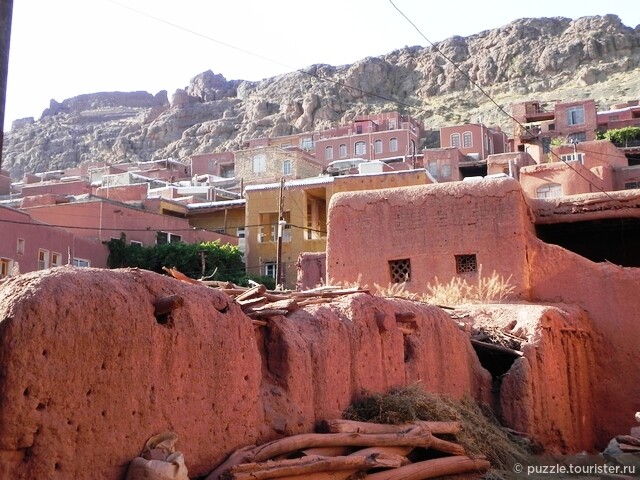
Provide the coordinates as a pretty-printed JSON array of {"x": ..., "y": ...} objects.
[{"x": 433, "y": 233}]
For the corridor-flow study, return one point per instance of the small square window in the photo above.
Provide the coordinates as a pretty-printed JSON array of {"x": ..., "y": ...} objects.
[
  {"x": 400, "y": 270},
  {"x": 466, "y": 264}
]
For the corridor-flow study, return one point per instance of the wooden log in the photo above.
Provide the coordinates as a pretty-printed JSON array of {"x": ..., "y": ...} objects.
[
  {"x": 433, "y": 468},
  {"x": 327, "y": 451},
  {"x": 495, "y": 348},
  {"x": 259, "y": 323},
  {"x": 256, "y": 291},
  {"x": 314, "y": 301},
  {"x": 312, "y": 464},
  {"x": 351, "y": 426},
  {"x": 288, "y": 304},
  {"x": 164, "y": 305},
  {"x": 243, "y": 455},
  {"x": 252, "y": 302},
  {"x": 266, "y": 313},
  {"x": 628, "y": 439},
  {"x": 447, "y": 446},
  {"x": 416, "y": 436}
]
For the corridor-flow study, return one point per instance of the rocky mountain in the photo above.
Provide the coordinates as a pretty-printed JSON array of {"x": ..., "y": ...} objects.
[{"x": 447, "y": 83}]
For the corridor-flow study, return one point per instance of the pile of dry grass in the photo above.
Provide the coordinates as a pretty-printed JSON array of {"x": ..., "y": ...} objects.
[{"x": 481, "y": 434}]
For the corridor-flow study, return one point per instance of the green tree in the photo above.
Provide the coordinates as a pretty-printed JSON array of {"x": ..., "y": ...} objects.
[{"x": 221, "y": 261}]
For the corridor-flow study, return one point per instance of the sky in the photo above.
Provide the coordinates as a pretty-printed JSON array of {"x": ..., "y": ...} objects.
[{"x": 64, "y": 48}]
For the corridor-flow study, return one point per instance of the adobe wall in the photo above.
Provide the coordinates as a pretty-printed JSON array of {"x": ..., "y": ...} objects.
[
  {"x": 548, "y": 392},
  {"x": 88, "y": 373},
  {"x": 609, "y": 294},
  {"x": 429, "y": 225}
]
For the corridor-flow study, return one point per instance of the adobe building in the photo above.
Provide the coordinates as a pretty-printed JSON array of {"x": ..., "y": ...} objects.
[
  {"x": 305, "y": 210},
  {"x": 435, "y": 233}
]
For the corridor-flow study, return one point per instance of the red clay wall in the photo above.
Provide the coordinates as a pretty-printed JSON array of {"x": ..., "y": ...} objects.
[
  {"x": 609, "y": 294},
  {"x": 429, "y": 225},
  {"x": 88, "y": 374}
]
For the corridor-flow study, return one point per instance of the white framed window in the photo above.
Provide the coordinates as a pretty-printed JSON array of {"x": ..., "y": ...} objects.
[
  {"x": 56, "y": 259},
  {"x": 433, "y": 169},
  {"x": 81, "y": 262},
  {"x": 20, "y": 246},
  {"x": 259, "y": 163},
  {"x": 377, "y": 146},
  {"x": 393, "y": 144},
  {"x": 392, "y": 124},
  {"x": 286, "y": 167},
  {"x": 135, "y": 243},
  {"x": 43, "y": 259},
  {"x": 360, "y": 148},
  {"x": 572, "y": 156},
  {"x": 269, "y": 270},
  {"x": 5, "y": 267},
  {"x": 467, "y": 140},
  {"x": 306, "y": 143},
  {"x": 445, "y": 170},
  {"x": 343, "y": 150},
  {"x": 577, "y": 137},
  {"x": 328, "y": 153},
  {"x": 455, "y": 140},
  {"x": 549, "y": 190},
  {"x": 242, "y": 243},
  {"x": 575, "y": 115},
  {"x": 167, "y": 237}
]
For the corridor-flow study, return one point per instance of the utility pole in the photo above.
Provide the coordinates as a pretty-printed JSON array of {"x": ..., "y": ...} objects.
[
  {"x": 6, "y": 16},
  {"x": 280, "y": 277}
]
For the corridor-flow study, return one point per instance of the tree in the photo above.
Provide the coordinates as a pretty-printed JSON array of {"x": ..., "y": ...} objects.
[{"x": 221, "y": 261}]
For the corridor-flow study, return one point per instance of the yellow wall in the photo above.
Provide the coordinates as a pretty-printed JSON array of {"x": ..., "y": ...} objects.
[{"x": 261, "y": 202}]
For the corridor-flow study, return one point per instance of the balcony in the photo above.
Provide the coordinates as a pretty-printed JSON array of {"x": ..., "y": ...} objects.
[{"x": 528, "y": 131}]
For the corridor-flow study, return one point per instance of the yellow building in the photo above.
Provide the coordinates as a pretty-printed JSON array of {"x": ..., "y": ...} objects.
[{"x": 305, "y": 203}]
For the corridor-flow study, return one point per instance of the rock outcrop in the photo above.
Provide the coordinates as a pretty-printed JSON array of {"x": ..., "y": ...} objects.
[{"x": 546, "y": 58}]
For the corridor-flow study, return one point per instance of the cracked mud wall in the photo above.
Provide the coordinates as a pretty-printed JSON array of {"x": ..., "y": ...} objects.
[{"x": 89, "y": 371}]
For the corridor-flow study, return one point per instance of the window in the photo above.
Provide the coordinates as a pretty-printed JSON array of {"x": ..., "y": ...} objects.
[
  {"x": 328, "y": 153},
  {"x": 393, "y": 144},
  {"x": 466, "y": 264},
  {"x": 631, "y": 185},
  {"x": 286, "y": 167},
  {"x": 260, "y": 163},
  {"x": 575, "y": 115},
  {"x": 306, "y": 143},
  {"x": 268, "y": 230},
  {"x": 226, "y": 171},
  {"x": 241, "y": 234},
  {"x": 400, "y": 270},
  {"x": 270, "y": 270},
  {"x": 445, "y": 171},
  {"x": 56, "y": 259},
  {"x": 166, "y": 237},
  {"x": 577, "y": 137},
  {"x": 392, "y": 124},
  {"x": 433, "y": 169},
  {"x": 549, "y": 190},
  {"x": 43, "y": 259},
  {"x": 360, "y": 148},
  {"x": 358, "y": 128},
  {"x": 467, "y": 140},
  {"x": 378, "y": 146},
  {"x": 572, "y": 156},
  {"x": 343, "y": 150},
  {"x": 212, "y": 165},
  {"x": 455, "y": 140},
  {"x": 135, "y": 243},
  {"x": 81, "y": 262},
  {"x": 20, "y": 246},
  {"x": 5, "y": 267}
]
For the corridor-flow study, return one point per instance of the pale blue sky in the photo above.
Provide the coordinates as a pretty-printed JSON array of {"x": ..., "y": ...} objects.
[{"x": 64, "y": 48}]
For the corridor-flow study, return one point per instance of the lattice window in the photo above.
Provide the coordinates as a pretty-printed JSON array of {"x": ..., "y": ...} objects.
[
  {"x": 400, "y": 270},
  {"x": 466, "y": 264}
]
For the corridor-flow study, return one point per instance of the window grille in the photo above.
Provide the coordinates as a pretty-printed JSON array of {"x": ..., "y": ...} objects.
[
  {"x": 466, "y": 264},
  {"x": 400, "y": 270}
]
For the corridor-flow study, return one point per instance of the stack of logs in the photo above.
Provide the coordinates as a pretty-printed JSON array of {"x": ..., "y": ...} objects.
[
  {"x": 258, "y": 303},
  {"x": 349, "y": 449}
]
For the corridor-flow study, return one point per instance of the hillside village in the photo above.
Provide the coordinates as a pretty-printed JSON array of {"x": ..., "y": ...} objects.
[{"x": 241, "y": 197}]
